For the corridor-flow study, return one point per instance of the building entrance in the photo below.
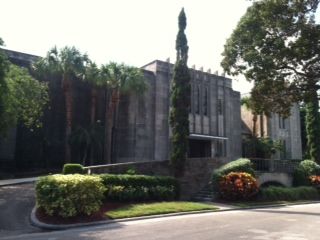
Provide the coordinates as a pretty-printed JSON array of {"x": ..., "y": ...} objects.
[{"x": 199, "y": 148}]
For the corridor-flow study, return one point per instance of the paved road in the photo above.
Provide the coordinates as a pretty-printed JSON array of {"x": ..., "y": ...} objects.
[
  {"x": 16, "y": 203},
  {"x": 284, "y": 223}
]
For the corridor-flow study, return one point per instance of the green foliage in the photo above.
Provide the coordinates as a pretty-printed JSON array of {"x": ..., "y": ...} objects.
[
  {"x": 238, "y": 186},
  {"x": 131, "y": 171},
  {"x": 261, "y": 147},
  {"x": 180, "y": 100},
  {"x": 72, "y": 168},
  {"x": 69, "y": 195},
  {"x": 303, "y": 171},
  {"x": 240, "y": 165},
  {"x": 125, "y": 78},
  {"x": 4, "y": 66},
  {"x": 66, "y": 62},
  {"x": 84, "y": 139},
  {"x": 303, "y": 132},
  {"x": 125, "y": 187},
  {"x": 289, "y": 194},
  {"x": 312, "y": 122},
  {"x": 23, "y": 100},
  {"x": 276, "y": 46}
]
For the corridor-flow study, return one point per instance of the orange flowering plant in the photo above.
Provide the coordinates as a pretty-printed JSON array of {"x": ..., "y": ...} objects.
[
  {"x": 238, "y": 186},
  {"x": 315, "y": 181}
]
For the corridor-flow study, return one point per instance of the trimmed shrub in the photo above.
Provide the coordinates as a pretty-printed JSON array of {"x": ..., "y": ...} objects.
[
  {"x": 288, "y": 193},
  {"x": 69, "y": 195},
  {"x": 315, "y": 181},
  {"x": 124, "y": 187},
  {"x": 303, "y": 171},
  {"x": 240, "y": 165},
  {"x": 238, "y": 186},
  {"x": 72, "y": 168}
]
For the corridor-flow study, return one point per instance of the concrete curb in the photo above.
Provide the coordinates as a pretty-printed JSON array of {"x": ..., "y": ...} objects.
[
  {"x": 4, "y": 183},
  {"x": 37, "y": 223}
]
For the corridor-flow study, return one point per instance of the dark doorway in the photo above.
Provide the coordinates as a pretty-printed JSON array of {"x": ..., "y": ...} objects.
[{"x": 199, "y": 148}]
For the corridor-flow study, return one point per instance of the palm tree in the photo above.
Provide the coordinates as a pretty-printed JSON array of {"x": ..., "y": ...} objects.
[
  {"x": 68, "y": 63},
  {"x": 92, "y": 76},
  {"x": 118, "y": 79}
]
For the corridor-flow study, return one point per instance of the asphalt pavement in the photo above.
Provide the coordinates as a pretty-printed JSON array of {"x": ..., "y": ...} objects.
[
  {"x": 296, "y": 222},
  {"x": 16, "y": 203}
]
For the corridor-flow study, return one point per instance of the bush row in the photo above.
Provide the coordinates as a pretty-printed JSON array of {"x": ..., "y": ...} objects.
[
  {"x": 74, "y": 194},
  {"x": 302, "y": 173},
  {"x": 139, "y": 187},
  {"x": 235, "y": 181},
  {"x": 288, "y": 193}
]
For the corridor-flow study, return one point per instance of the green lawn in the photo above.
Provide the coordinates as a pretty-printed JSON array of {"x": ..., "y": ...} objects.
[{"x": 145, "y": 209}]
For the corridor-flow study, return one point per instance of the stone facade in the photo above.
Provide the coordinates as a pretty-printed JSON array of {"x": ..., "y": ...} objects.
[
  {"x": 215, "y": 125},
  {"x": 285, "y": 130},
  {"x": 141, "y": 132}
]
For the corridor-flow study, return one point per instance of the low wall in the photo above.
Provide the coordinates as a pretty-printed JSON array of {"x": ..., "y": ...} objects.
[
  {"x": 198, "y": 172},
  {"x": 283, "y": 178}
]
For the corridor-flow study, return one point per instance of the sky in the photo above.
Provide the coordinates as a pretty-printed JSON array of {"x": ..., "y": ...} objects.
[{"x": 135, "y": 32}]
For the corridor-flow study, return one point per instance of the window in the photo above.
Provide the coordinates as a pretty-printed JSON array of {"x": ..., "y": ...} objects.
[
  {"x": 283, "y": 151},
  {"x": 220, "y": 112},
  {"x": 205, "y": 102},
  {"x": 282, "y": 122},
  {"x": 197, "y": 98},
  {"x": 220, "y": 148}
]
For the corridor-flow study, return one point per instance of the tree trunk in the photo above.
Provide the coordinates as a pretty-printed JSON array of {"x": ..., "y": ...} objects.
[
  {"x": 110, "y": 123},
  {"x": 68, "y": 106},
  {"x": 93, "y": 105},
  {"x": 93, "y": 119}
]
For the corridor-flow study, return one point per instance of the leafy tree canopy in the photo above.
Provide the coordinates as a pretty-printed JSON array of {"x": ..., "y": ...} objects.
[
  {"x": 276, "y": 45},
  {"x": 123, "y": 77},
  {"x": 67, "y": 61},
  {"x": 22, "y": 98}
]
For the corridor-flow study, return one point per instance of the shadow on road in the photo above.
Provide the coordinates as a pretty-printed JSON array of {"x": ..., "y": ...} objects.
[
  {"x": 16, "y": 203},
  {"x": 292, "y": 212}
]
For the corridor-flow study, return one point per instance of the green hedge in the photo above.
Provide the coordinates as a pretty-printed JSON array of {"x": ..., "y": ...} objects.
[
  {"x": 240, "y": 165},
  {"x": 72, "y": 168},
  {"x": 288, "y": 193},
  {"x": 303, "y": 171},
  {"x": 124, "y": 187},
  {"x": 69, "y": 195}
]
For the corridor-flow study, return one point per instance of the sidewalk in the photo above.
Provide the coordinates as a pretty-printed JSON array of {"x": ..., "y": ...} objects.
[{"x": 17, "y": 181}]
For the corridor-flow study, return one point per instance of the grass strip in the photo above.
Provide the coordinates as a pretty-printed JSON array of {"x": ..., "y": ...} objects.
[{"x": 147, "y": 209}]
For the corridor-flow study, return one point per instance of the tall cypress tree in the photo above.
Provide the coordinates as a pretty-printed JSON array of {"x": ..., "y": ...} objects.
[
  {"x": 180, "y": 100},
  {"x": 313, "y": 127}
]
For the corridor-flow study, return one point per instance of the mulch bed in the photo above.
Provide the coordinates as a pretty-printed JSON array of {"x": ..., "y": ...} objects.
[{"x": 97, "y": 216}]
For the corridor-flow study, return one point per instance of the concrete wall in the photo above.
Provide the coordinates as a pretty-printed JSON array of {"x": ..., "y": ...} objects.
[
  {"x": 290, "y": 132},
  {"x": 226, "y": 124},
  {"x": 283, "y": 178}
]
